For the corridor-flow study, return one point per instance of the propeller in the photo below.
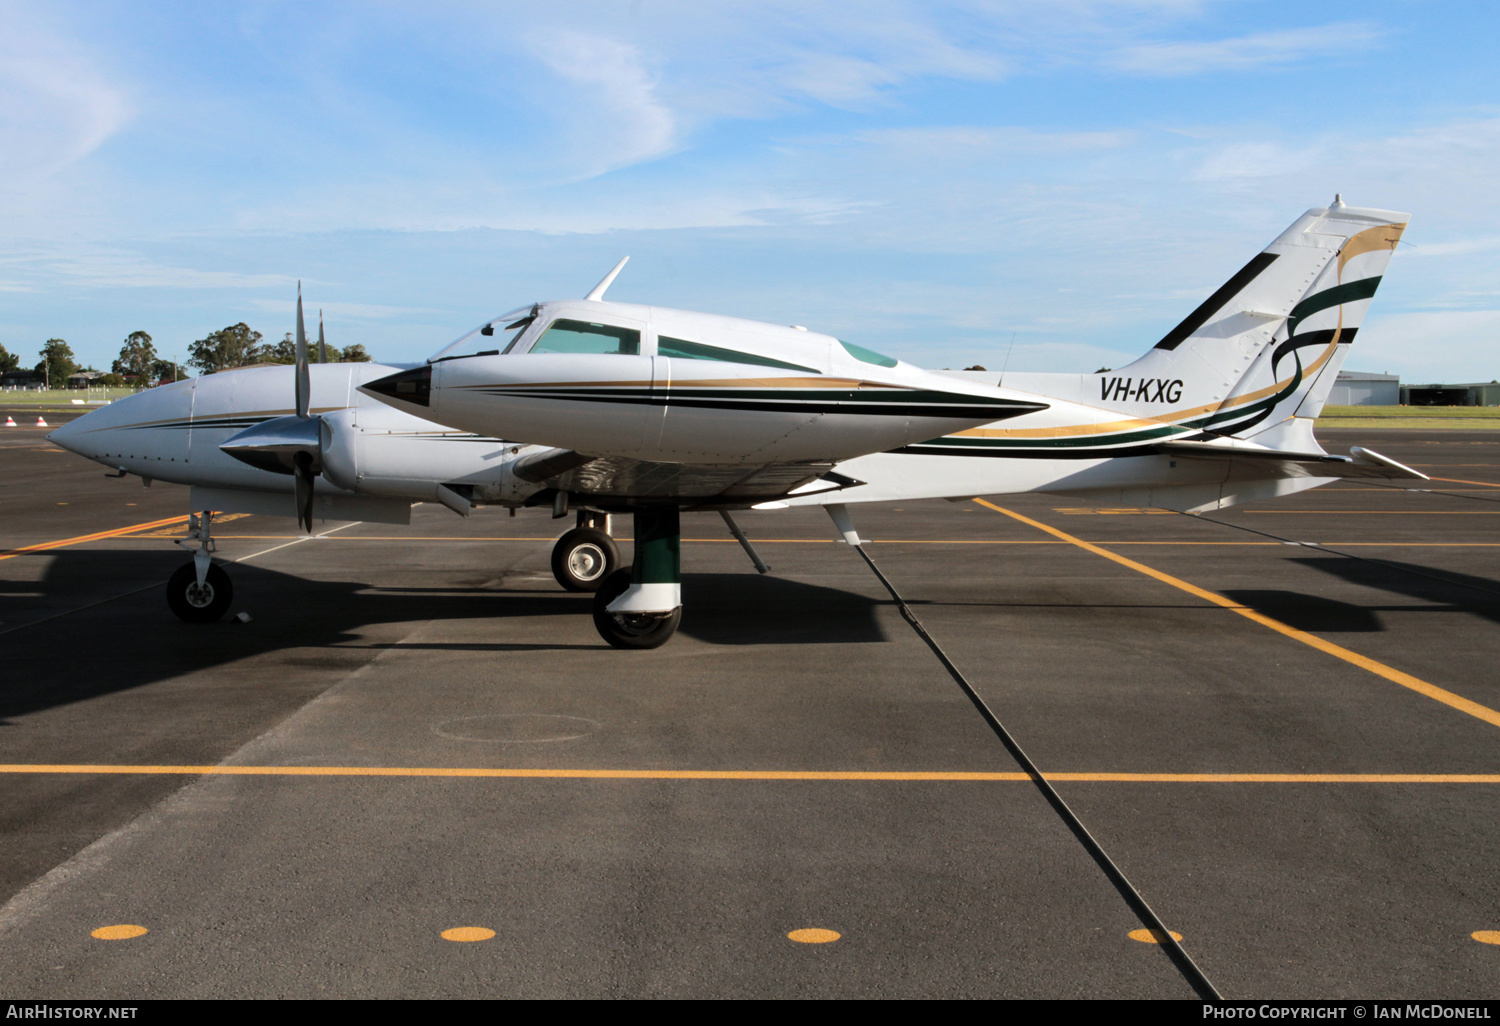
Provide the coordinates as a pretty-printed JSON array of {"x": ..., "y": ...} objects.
[
  {"x": 322, "y": 346},
  {"x": 302, "y": 461},
  {"x": 293, "y": 444}
]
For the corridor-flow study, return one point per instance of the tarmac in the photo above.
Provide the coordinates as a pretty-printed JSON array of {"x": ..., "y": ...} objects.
[{"x": 1280, "y": 722}]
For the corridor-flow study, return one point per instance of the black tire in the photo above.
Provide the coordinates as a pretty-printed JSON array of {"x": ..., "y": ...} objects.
[
  {"x": 630, "y": 630},
  {"x": 199, "y": 605},
  {"x": 583, "y": 558}
]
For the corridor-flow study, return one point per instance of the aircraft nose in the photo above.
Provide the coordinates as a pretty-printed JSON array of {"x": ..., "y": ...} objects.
[
  {"x": 408, "y": 386},
  {"x": 68, "y": 436}
]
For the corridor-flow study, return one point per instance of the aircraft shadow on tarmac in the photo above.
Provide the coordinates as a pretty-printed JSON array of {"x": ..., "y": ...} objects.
[
  {"x": 1454, "y": 593},
  {"x": 1447, "y": 590},
  {"x": 134, "y": 641}
]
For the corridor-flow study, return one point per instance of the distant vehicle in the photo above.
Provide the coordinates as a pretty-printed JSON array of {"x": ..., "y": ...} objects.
[{"x": 650, "y": 411}]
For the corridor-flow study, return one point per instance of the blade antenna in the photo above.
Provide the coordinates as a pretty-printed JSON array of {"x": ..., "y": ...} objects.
[{"x": 597, "y": 292}]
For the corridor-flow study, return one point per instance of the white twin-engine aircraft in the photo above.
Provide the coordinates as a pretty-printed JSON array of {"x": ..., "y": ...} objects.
[{"x": 600, "y": 408}]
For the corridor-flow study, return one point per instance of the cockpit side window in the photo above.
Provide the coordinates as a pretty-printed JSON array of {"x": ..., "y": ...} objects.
[
  {"x": 867, "y": 355},
  {"x": 685, "y": 350},
  {"x": 586, "y": 337}
]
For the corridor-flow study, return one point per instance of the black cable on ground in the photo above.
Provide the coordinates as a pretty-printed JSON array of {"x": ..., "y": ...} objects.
[{"x": 1180, "y": 958}]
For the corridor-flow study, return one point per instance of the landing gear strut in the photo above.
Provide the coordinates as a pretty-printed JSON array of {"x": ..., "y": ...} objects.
[
  {"x": 640, "y": 606},
  {"x": 199, "y": 592},
  {"x": 584, "y": 557}
]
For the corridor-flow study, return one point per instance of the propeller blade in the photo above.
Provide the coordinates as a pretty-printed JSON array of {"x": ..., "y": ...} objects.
[
  {"x": 303, "y": 472},
  {"x": 322, "y": 346},
  {"x": 304, "y": 383}
]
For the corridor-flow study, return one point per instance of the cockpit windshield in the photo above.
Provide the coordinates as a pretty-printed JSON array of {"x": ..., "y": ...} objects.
[{"x": 495, "y": 336}]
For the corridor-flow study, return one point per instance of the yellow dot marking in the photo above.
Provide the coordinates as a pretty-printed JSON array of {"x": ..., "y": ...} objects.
[
  {"x": 1151, "y": 936},
  {"x": 1486, "y": 936},
  {"x": 814, "y": 936},
  {"x": 122, "y": 932},
  {"x": 468, "y": 933}
]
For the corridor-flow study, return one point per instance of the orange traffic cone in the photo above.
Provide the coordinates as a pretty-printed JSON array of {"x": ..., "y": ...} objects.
[
  {"x": 10, "y": 422},
  {"x": 40, "y": 422}
]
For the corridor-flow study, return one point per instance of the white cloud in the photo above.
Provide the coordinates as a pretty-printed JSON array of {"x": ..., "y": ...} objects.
[
  {"x": 1453, "y": 345},
  {"x": 1328, "y": 42},
  {"x": 107, "y": 267},
  {"x": 616, "y": 118},
  {"x": 1253, "y": 160},
  {"x": 353, "y": 311},
  {"x": 55, "y": 105},
  {"x": 1458, "y": 247}
]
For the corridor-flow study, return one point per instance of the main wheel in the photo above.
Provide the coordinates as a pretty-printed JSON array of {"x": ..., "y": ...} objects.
[
  {"x": 630, "y": 630},
  {"x": 583, "y": 558},
  {"x": 199, "y": 604}
]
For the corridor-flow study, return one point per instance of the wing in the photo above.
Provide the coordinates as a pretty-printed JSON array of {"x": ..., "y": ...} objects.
[{"x": 616, "y": 478}]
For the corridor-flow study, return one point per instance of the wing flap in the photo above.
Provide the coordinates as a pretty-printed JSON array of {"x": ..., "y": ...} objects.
[{"x": 616, "y": 477}]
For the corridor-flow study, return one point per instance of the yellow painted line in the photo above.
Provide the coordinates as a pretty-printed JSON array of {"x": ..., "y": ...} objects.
[
  {"x": 1396, "y": 676},
  {"x": 1459, "y": 480},
  {"x": 1151, "y": 936},
  {"x": 96, "y": 536},
  {"x": 170, "y": 531},
  {"x": 940, "y": 776},
  {"x": 1392, "y": 512}
]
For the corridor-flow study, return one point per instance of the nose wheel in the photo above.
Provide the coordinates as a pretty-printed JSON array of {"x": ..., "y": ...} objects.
[
  {"x": 199, "y": 592},
  {"x": 199, "y": 603}
]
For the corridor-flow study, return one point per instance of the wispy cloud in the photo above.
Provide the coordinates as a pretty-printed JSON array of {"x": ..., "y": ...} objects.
[
  {"x": 56, "y": 107},
  {"x": 1188, "y": 57},
  {"x": 615, "y": 115}
]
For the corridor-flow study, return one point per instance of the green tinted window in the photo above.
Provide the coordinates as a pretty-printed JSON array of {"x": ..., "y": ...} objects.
[
  {"x": 584, "y": 337},
  {"x": 685, "y": 350},
  {"x": 864, "y": 355}
]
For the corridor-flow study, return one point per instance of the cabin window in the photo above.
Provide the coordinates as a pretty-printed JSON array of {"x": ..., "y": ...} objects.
[
  {"x": 864, "y": 355},
  {"x": 586, "y": 337},
  {"x": 684, "y": 350}
]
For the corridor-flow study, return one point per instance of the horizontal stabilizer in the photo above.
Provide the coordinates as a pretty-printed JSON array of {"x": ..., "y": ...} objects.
[{"x": 1361, "y": 462}]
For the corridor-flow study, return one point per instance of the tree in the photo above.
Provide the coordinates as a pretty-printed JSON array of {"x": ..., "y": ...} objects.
[
  {"x": 165, "y": 370},
  {"x": 137, "y": 356},
  {"x": 8, "y": 361},
  {"x": 57, "y": 363},
  {"x": 352, "y": 354},
  {"x": 234, "y": 346},
  {"x": 285, "y": 351}
]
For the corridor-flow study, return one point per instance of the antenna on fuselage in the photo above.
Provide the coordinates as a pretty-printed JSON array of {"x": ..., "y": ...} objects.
[{"x": 597, "y": 292}]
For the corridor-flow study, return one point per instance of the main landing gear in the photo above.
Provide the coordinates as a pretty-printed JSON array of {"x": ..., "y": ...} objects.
[
  {"x": 584, "y": 558},
  {"x": 640, "y": 606},
  {"x": 199, "y": 592}
]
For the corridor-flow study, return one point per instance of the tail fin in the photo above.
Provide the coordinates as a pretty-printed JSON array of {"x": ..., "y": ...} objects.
[{"x": 1265, "y": 348}]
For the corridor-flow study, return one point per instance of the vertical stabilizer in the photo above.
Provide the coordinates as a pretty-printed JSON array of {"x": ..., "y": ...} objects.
[{"x": 1267, "y": 345}]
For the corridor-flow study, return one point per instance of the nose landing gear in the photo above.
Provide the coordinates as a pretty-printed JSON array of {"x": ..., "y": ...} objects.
[{"x": 199, "y": 592}]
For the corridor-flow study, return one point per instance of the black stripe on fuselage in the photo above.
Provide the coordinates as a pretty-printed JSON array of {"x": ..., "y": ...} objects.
[
  {"x": 1215, "y": 302},
  {"x": 859, "y": 408}
]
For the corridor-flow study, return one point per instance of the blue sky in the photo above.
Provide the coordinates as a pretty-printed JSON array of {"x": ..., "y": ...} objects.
[{"x": 948, "y": 183}]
